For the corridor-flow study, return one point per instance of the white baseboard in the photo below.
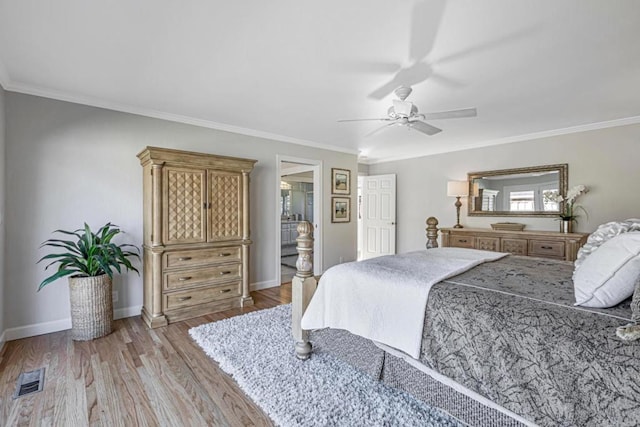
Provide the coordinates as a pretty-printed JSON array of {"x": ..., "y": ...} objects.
[
  {"x": 37, "y": 329},
  {"x": 59, "y": 325},
  {"x": 264, "y": 285}
]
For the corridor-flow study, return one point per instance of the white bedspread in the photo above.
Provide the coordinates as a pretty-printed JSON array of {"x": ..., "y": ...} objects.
[{"x": 384, "y": 298}]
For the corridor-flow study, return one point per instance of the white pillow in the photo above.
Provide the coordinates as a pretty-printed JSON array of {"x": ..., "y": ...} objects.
[{"x": 608, "y": 276}]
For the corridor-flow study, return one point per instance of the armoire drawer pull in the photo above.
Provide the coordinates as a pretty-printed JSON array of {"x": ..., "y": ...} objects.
[
  {"x": 182, "y": 279},
  {"x": 184, "y": 298},
  {"x": 225, "y": 254},
  {"x": 462, "y": 240},
  {"x": 546, "y": 247},
  {"x": 224, "y": 291},
  {"x": 222, "y": 273},
  {"x": 184, "y": 258}
]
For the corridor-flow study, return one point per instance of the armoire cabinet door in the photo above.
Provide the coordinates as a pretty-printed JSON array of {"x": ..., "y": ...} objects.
[
  {"x": 184, "y": 205},
  {"x": 225, "y": 206}
]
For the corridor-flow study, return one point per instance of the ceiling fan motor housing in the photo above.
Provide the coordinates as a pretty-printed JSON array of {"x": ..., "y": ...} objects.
[{"x": 402, "y": 109}]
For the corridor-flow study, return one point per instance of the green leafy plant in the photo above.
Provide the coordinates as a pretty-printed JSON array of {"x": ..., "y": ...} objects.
[{"x": 93, "y": 254}]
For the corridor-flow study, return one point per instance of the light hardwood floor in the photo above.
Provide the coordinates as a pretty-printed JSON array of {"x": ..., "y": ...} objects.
[{"x": 134, "y": 377}]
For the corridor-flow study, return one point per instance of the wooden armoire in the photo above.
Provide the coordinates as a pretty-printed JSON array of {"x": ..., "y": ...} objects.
[{"x": 196, "y": 234}]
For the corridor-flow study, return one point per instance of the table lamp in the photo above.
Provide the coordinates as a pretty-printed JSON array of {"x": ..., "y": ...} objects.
[{"x": 457, "y": 189}]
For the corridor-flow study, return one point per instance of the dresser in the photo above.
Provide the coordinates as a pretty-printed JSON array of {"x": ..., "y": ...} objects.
[
  {"x": 195, "y": 235},
  {"x": 545, "y": 244}
]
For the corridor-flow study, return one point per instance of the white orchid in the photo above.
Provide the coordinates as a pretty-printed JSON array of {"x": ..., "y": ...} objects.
[
  {"x": 574, "y": 192},
  {"x": 570, "y": 199}
]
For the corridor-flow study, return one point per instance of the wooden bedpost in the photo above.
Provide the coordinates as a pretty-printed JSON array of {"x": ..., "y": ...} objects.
[
  {"x": 432, "y": 232},
  {"x": 303, "y": 286}
]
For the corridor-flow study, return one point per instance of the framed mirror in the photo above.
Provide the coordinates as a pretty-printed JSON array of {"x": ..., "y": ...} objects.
[{"x": 528, "y": 191}]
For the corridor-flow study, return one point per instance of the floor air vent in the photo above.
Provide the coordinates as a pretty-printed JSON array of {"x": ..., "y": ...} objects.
[{"x": 29, "y": 382}]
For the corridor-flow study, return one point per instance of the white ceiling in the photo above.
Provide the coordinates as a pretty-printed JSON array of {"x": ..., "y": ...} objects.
[{"x": 288, "y": 69}]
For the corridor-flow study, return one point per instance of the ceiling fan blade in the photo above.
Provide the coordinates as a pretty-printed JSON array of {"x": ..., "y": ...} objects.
[
  {"x": 446, "y": 81},
  {"x": 385, "y": 89},
  {"x": 424, "y": 127},
  {"x": 379, "y": 129},
  {"x": 487, "y": 45},
  {"x": 370, "y": 67},
  {"x": 365, "y": 120},
  {"x": 426, "y": 17},
  {"x": 454, "y": 114}
]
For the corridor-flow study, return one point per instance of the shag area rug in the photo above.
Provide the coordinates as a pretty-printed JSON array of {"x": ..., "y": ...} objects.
[{"x": 256, "y": 349}]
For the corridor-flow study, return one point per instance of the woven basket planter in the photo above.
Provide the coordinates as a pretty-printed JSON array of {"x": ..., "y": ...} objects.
[{"x": 91, "y": 307}]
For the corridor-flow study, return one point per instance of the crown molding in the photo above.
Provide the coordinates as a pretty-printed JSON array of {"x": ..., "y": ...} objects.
[
  {"x": 140, "y": 111},
  {"x": 522, "y": 138}
]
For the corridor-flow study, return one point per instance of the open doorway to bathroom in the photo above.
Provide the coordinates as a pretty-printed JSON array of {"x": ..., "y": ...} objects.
[{"x": 299, "y": 199}]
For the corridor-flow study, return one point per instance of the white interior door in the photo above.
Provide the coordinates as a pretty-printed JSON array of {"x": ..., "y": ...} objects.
[{"x": 378, "y": 216}]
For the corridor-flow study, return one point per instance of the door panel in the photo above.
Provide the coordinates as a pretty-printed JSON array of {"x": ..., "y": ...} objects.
[
  {"x": 225, "y": 206},
  {"x": 379, "y": 217},
  {"x": 183, "y": 206}
]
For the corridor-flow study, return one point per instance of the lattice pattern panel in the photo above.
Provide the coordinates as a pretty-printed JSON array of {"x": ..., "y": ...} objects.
[
  {"x": 514, "y": 246},
  {"x": 226, "y": 202},
  {"x": 185, "y": 213},
  {"x": 488, "y": 244}
]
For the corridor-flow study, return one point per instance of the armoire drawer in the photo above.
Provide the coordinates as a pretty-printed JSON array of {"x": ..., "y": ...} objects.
[
  {"x": 181, "y": 299},
  {"x": 548, "y": 249},
  {"x": 198, "y": 276},
  {"x": 198, "y": 257}
]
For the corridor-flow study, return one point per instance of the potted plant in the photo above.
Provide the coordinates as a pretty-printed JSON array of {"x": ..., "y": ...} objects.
[
  {"x": 568, "y": 214},
  {"x": 89, "y": 262}
]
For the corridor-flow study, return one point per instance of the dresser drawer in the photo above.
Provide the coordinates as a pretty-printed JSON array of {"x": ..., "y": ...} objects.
[
  {"x": 175, "y": 300},
  {"x": 514, "y": 246},
  {"x": 542, "y": 248},
  {"x": 462, "y": 242},
  {"x": 198, "y": 276},
  {"x": 198, "y": 257}
]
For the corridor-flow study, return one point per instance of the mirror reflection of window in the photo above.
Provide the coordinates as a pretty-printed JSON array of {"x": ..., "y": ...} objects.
[{"x": 520, "y": 201}]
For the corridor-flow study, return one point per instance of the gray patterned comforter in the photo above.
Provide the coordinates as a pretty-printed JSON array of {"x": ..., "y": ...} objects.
[{"x": 509, "y": 331}]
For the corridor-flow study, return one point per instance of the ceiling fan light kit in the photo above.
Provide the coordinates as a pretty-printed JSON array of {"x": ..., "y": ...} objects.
[{"x": 405, "y": 113}]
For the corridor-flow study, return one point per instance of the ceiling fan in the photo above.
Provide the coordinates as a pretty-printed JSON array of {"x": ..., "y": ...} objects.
[{"x": 405, "y": 113}]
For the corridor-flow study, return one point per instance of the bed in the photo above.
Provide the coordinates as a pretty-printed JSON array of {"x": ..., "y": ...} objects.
[{"x": 501, "y": 343}]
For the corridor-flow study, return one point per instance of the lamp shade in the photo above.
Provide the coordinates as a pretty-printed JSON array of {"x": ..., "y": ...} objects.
[{"x": 457, "y": 188}]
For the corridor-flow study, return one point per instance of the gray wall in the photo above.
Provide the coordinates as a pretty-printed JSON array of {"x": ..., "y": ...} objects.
[
  {"x": 2, "y": 210},
  {"x": 607, "y": 161},
  {"x": 68, "y": 163}
]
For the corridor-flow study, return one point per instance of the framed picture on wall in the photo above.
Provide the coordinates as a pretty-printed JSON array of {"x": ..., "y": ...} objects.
[
  {"x": 340, "y": 181},
  {"x": 340, "y": 209}
]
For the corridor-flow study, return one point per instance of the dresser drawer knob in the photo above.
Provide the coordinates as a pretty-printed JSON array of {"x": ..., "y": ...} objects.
[
  {"x": 462, "y": 240},
  {"x": 184, "y": 298},
  {"x": 222, "y": 273},
  {"x": 225, "y": 254},
  {"x": 182, "y": 279},
  {"x": 224, "y": 291},
  {"x": 184, "y": 258},
  {"x": 546, "y": 247}
]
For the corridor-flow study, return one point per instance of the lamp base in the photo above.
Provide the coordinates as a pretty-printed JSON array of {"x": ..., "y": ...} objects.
[{"x": 457, "y": 204}]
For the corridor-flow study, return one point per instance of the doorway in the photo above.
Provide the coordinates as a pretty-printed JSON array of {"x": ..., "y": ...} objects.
[{"x": 299, "y": 198}]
